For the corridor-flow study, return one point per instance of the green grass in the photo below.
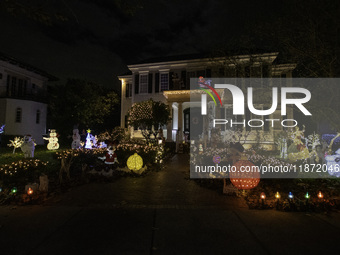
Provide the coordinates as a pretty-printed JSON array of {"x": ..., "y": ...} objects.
[{"x": 41, "y": 153}]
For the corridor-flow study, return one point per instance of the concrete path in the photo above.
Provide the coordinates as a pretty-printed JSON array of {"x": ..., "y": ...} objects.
[{"x": 161, "y": 213}]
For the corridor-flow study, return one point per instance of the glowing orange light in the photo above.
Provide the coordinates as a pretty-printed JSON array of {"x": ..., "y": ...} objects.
[
  {"x": 277, "y": 195},
  {"x": 29, "y": 191},
  {"x": 263, "y": 196},
  {"x": 320, "y": 195}
]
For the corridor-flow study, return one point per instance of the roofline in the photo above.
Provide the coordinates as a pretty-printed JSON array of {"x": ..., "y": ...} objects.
[
  {"x": 26, "y": 66},
  {"x": 239, "y": 57}
]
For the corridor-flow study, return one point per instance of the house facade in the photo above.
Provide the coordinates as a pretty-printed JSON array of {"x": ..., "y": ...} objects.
[
  {"x": 168, "y": 80},
  {"x": 23, "y": 105}
]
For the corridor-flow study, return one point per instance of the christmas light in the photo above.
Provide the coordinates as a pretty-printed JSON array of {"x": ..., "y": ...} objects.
[
  {"x": 52, "y": 140},
  {"x": 14, "y": 190},
  {"x": 307, "y": 196},
  {"x": 290, "y": 195},
  {"x": 263, "y": 196},
  {"x": 277, "y": 195},
  {"x": 320, "y": 195},
  {"x": 135, "y": 162},
  {"x": 30, "y": 191}
]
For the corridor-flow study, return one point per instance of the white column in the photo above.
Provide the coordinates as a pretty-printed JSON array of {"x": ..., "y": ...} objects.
[
  {"x": 180, "y": 122},
  {"x": 169, "y": 125}
]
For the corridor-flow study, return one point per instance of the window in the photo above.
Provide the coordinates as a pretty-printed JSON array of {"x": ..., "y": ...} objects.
[
  {"x": 164, "y": 81},
  {"x": 143, "y": 83},
  {"x": 20, "y": 82},
  {"x": 14, "y": 85},
  {"x": 18, "y": 115},
  {"x": 37, "y": 117}
]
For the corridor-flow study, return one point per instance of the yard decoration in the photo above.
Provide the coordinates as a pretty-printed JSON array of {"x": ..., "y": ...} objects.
[
  {"x": 217, "y": 159},
  {"x": 333, "y": 163},
  {"x": 110, "y": 157},
  {"x": 76, "y": 139},
  {"x": 244, "y": 179},
  {"x": 297, "y": 150},
  {"x": 28, "y": 146},
  {"x": 52, "y": 140},
  {"x": 135, "y": 162},
  {"x": 2, "y": 129},
  {"x": 16, "y": 143},
  {"x": 91, "y": 141}
]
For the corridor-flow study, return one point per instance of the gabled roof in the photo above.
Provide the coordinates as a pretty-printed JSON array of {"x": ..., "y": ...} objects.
[{"x": 26, "y": 66}]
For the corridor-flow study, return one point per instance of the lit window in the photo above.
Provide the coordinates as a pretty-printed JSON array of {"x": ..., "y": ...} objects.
[
  {"x": 143, "y": 83},
  {"x": 18, "y": 115},
  {"x": 164, "y": 81},
  {"x": 37, "y": 117}
]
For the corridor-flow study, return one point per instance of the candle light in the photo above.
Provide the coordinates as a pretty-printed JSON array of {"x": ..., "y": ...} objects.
[{"x": 263, "y": 195}]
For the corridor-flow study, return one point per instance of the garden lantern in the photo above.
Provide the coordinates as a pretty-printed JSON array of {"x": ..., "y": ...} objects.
[{"x": 14, "y": 190}]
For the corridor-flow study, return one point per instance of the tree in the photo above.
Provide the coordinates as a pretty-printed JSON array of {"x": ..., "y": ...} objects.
[
  {"x": 149, "y": 116},
  {"x": 84, "y": 103}
]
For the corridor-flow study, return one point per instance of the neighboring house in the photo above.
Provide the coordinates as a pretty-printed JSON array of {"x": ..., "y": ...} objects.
[
  {"x": 168, "y": 80},
  {"x": 23, "y": 107}
]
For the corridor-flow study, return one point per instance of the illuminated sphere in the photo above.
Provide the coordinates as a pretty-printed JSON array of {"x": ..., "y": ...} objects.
[
  {"x": 244, "y": 180},
  {"x": 217, "y": 159},
  {"x": 135, "y": 162}
]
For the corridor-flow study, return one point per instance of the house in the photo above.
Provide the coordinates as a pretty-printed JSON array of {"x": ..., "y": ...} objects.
[
  {"x": 168, "y": 80},
  {"x": 23, "y": 105}
]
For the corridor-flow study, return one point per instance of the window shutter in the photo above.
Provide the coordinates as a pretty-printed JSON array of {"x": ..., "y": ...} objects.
[
  {"x": 127, "y": 90},
  {"x": 208, "y": 73},
  {"x": 156, "y": 82},
  {"x": 171, "y": 83},
  {"x": 136, "y": 83},
  {"x": 184, "y": 78},
  {"x": 150, "y": 83}
]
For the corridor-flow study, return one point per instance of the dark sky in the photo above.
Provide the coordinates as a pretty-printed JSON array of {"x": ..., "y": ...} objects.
[{"x": 99, "y": 38}]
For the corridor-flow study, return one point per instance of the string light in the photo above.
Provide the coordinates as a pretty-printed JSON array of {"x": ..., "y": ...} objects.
[
  {"x": 290, "y": 195},
  {"x": 277, "y": 195},
  {"x": 263, "y": 196},
  {"x": 30, "y": 191},
  {"x": 320, "y": 195}
]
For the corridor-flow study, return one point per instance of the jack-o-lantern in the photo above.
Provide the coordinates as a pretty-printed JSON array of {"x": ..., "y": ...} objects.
[{"x": 246, "y": 175}]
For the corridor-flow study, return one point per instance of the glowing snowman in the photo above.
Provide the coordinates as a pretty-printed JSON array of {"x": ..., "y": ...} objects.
[{"x": 52, "y": 140}]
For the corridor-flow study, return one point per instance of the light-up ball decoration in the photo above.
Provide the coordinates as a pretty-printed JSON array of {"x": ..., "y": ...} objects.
[
  {"x": 217, "y": 159},
  {"x": 243, "y": 179},
  {"x": 135, "y": 162}
]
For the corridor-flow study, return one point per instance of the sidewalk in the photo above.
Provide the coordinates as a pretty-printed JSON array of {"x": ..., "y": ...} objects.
[{"x": 161, "y": 213}]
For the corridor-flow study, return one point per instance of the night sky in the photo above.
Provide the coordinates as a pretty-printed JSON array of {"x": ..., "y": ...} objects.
[{"x": 95, "y": 40}]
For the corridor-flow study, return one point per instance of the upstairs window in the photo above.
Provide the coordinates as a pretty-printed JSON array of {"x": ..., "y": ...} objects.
[
  {"x": 18, "y": 115},
  {"x": 164, "y": 81},
  {"x": 143, "y": 84}
]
